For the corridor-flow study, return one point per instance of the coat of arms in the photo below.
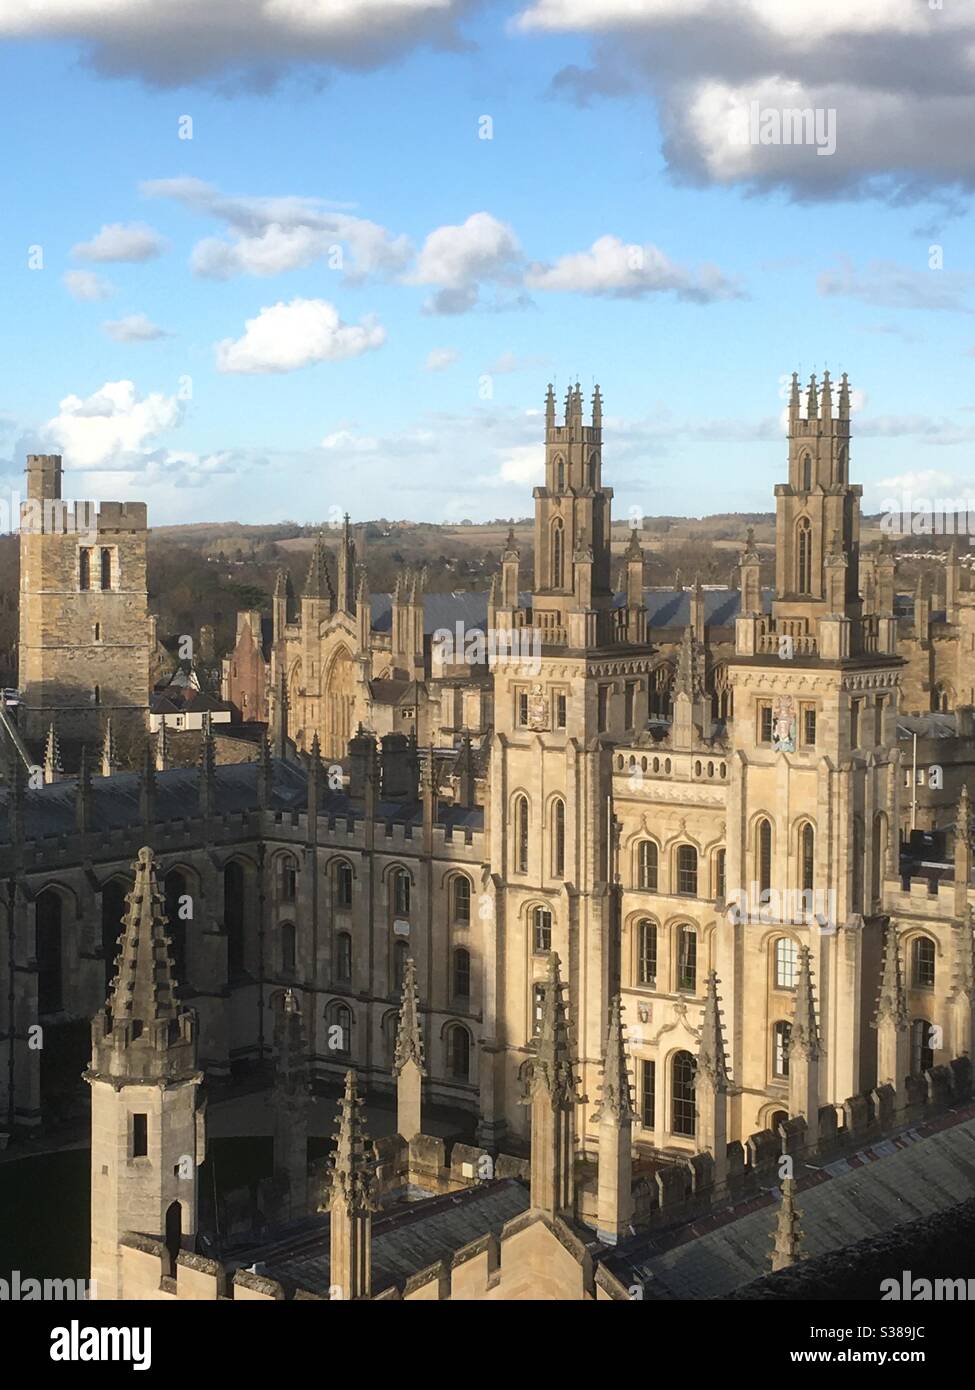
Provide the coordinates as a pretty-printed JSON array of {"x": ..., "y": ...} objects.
[{"x": 537, "y": 708}]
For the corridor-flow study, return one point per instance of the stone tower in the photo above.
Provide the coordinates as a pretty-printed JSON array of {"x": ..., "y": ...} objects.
[
  {"x": 813, "y": 784},
  {"x": 147, "y": 1130},
  {"x": 574, "y": 683},
  {"x": 84, "y": 630},
  {"x": 351, "y": 1202}
]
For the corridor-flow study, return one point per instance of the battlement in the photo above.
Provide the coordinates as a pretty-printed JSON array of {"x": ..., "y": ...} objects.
[{"x": 54, "y": 516}]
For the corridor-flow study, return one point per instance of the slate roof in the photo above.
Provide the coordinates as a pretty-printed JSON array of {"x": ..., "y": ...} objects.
[
  {"x": 917, "y": 1173},
  {"x": 931, "y": 725},
  {"x": 115, "y": 800},
  {"x": 404, "y": 1241}
]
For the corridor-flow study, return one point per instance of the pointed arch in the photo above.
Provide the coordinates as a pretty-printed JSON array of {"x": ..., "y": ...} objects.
[
  {"x": 803, "y": 556},
  {"x": 558, "y": 553}
]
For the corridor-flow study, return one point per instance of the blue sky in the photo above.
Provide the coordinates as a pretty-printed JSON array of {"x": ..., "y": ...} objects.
[{"x": 232, "y": 371}]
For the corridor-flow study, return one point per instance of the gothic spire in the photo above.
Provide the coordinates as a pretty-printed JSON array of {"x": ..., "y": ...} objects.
[
  {"x": 615, "y": 1098},
  {"x": 52, "y": 756},
  {"x": 351, "y": 1162},
  {"x": 553, "y": 1071},
  {"x": 787, "y": 1235},
  {"x": 805, "y": 1029},
  {"x": 963, "y": 821},
  {"x": 318, "y": 584},
  {"x": 109, "y": 755},
  {"x": 143, "y": 988},
  {"x": 162, "y": 746},
  {"x": 892, "y": 1001},
  {"x": 409, "y": 1038},
  {"x": 711, "y": 1061}
]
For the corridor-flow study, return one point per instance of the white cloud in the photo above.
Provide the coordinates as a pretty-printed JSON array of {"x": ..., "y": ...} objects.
[
  {"x": 284, "y": 337},
  {"x": 438, "y": 359},
  {"x": 892, "y": 286},
  {"x": 612, "y": 268},
  {"x": 134, "y": 328},
  {"x": 897, "y": 74},
  {"x": 86, "y": 286},
  {"x": 112, "y": 428},
  {"x": 347, "y": 441},
  {"x": 182, "y": 41},
  {"x": 524, "y": 464},
  {"x": 272, "y": 235},
  {"x": 511, "y": 362},
  {"x": 121, "y": 241},
  {"x": 459, "y": 258}
]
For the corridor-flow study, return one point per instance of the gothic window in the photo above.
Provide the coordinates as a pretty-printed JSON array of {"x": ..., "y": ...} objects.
[
  {"x": 140, "y": 1134},
  {"x": 343, "y": 884},
  {"x": 287, "y": 878},
  {"x": 856, "y": 877},
  {"x": 722, "y": 701},
  {"x": 542, "y": 929},
  {"x": 648, "y": 1094},
  {"x": 807, "y": 857},
  {"x": 591, "y": 471},
  {"x": 233, "y": 916},
  {"x": 459, "y": 1053},
  {"x": 687, "y": 870},
  {"x": 560, "y": 709},
  {"x": 560, "y": 474},
  {"x": 113, "y": 910},
  {"x": 288, "y": 948},
  {"x": 462, "y": 900},
  {"x": 683, "y": 1110},
  {"x": 558, "y": 838},
  {"x": 786, "y": 963},
  {"x": 646, "y": 963},
  {"x": 804, "y": 557},
  {"x": 343, "y": 957},
  {"x": 177, "y": 902},
  {"x": 106, "y": 569},
  {"x": 922, "y": 1053},
  {"x": 462, "y": 974},
  {"x": 763, "y": 856},
  {"x": 338, "y": 1021},
  {"x": 401, "y": 952},
  {"x": 879, "y": 851},
  {"x": 781, "y": 1034},
  {"x": 686, "y": 960},
  {"x": 84, "y": 570},
  {"x": 646, "y": 866},
  {"x": 765, "y": 721},
  {"x": 922, "y": 962},
  {"x": 49, "y": 949},
  {"x": 661, "y": 692},
  {"x": 602, "y": 708},
  {"x": 809, "y": 725},
  {"x": 720, "y": 859},
  {"x": 521, "y": 835},
  {"x": 401, "y": 893},
  {"x": 806, "y": 473},
  {"x": 558, "y": 556}
]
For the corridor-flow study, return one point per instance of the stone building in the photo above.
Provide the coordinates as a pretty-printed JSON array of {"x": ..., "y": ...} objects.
[
  {"x": 85, "y": 637},
  {"x": 706, "y": 826}
]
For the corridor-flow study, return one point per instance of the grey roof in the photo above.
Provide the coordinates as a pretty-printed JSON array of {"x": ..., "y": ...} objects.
[
  {"x": 404, "y": 1241},
  {"x": 439, "y": 610},
  {"x": 50, "y": 810},
  {"x": 915, "y": 1174},
  {"x": 931, "y": 725}
]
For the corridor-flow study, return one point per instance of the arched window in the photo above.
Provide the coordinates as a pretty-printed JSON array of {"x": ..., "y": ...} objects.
[
  {"x": 459, "y": 1053},
  {"x": 807, "y": 857},
  {"x": 646, "y": 865},
  {"x": 841, "y": 458},
  {"x": 288, "y": 948},
  {"x": 287, "y": 879},
  {"x": 804, "y": 557},
  {"x": 113, "y": 910},
  {"x": 922, "y": 1053},
  {"x": 778, "y": 1117},
  {"x": 49, "y": 951},
  {"x": 591, "y": 471},
  {"x": 233, "y": 916},
  {"x": 401, "y": 953},
  {"x": 558, "y": 555},
  {"x": 786, "y": 963},
  {"x": 338, "y": 1021},
  {"x": 401, "y": 893},
  {"x": 763, "y": 855},
  {"x": 462, "y": 974},
  {"x": 856, "y": 877},
  {"x": 686, "y": 960},
  {"x": 878, "y": 854},
  {"x": 682, "y": 1107},
  {"x": 179, "y": 910},
  {"x": 462, "y": 900},
  {"x": 781, "y": 1035},
  {"x": 106, "y": 569},
  {"x": 343, "y": 884},
  {"x": 720, "y": 887},
  {"x": 558, "y": 838},
  {"x": 343, "y": 957},
  {"x": 646, "y": 958},
  {"x": 806, "y": 473},
  {"x": 687, "y": 870},
  {"x": 922, "y": 962},
  {"x": 84, "y": 570},
  {"x": 521, "y": 835},
  {"x": 541, "y": 929},
  {"x": 560, "y": 474}
]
